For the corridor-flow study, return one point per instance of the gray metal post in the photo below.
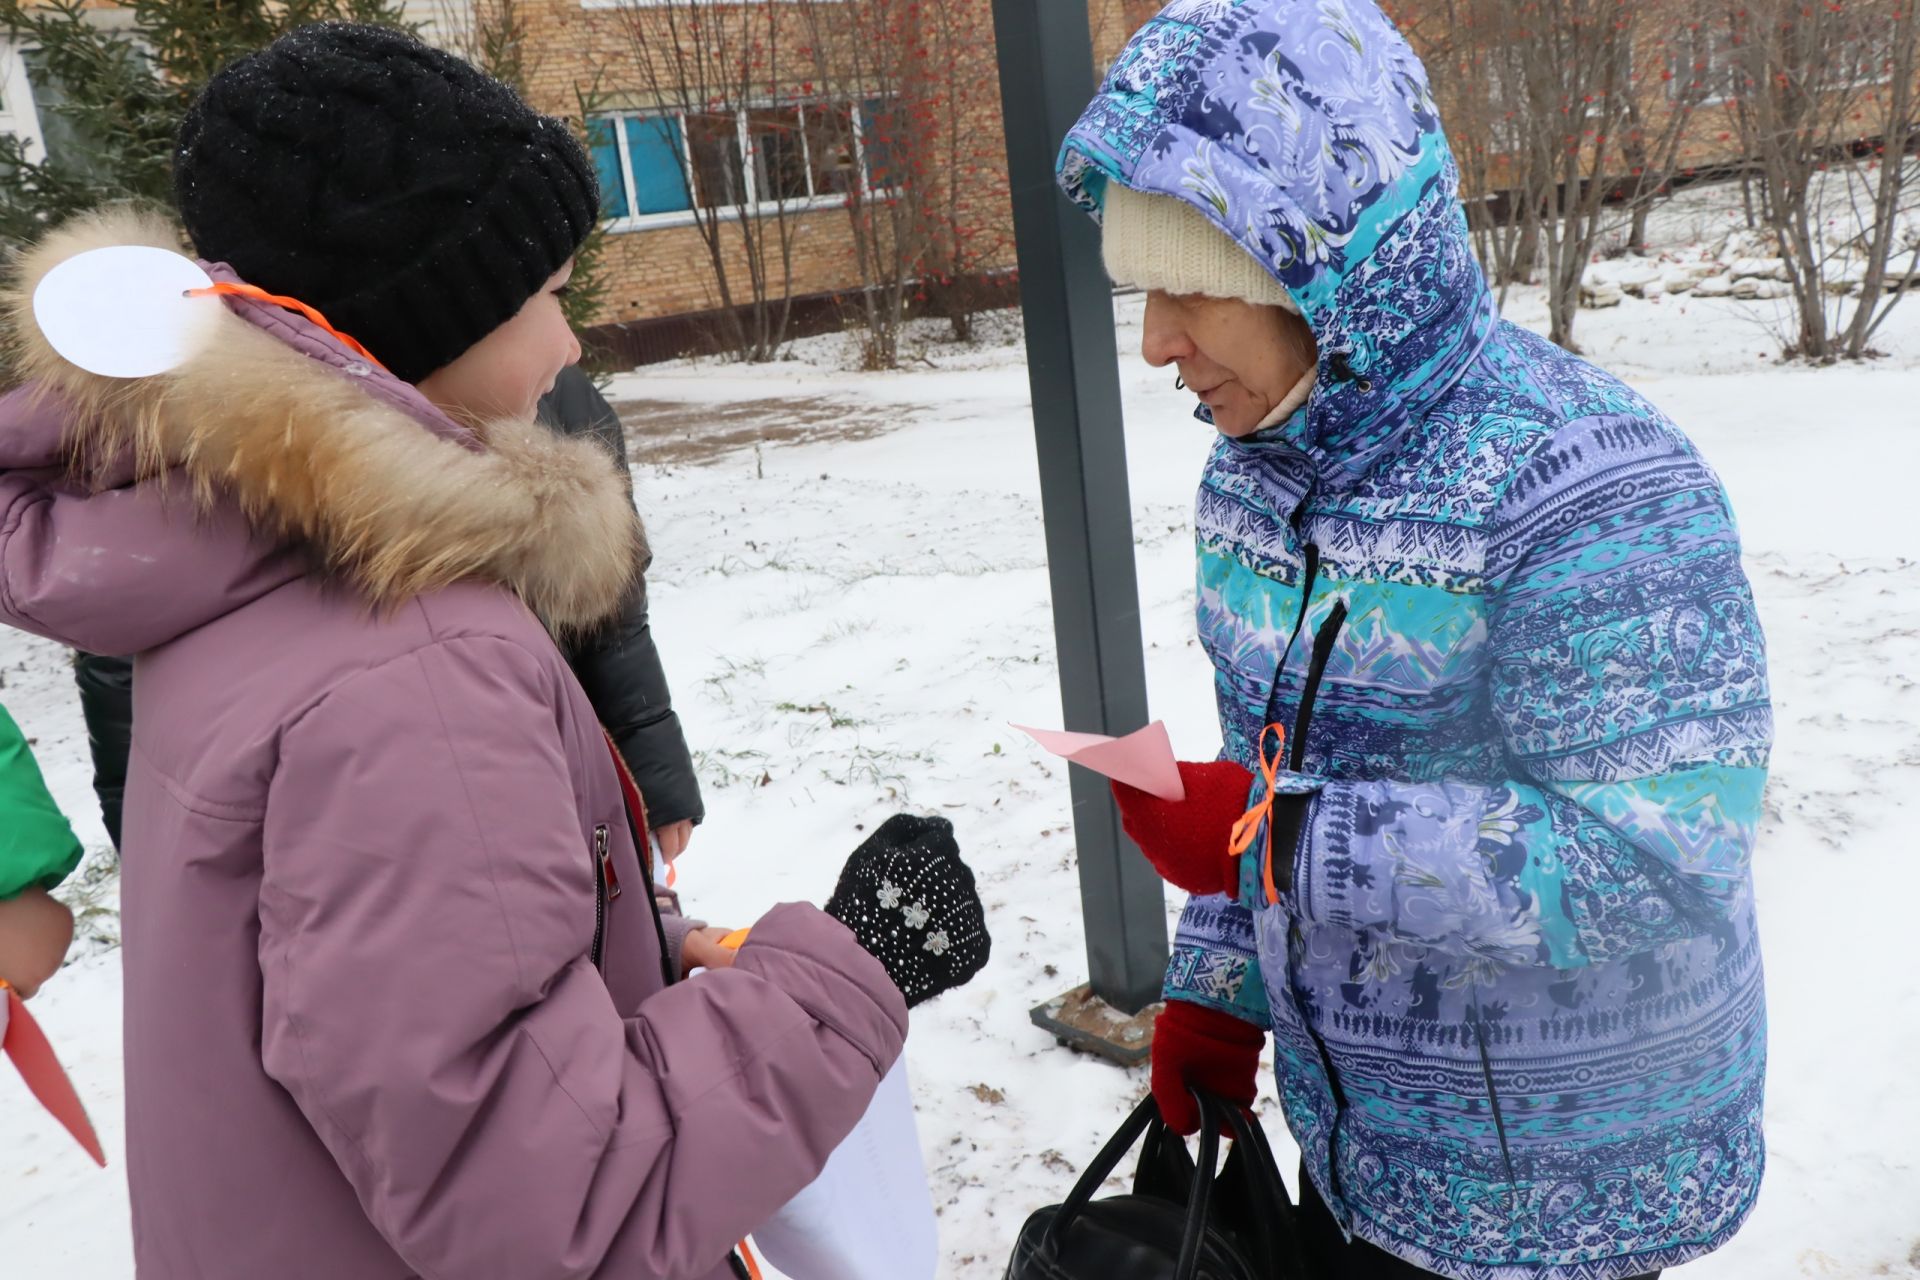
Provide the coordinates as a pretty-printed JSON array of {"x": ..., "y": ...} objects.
[{"x": 1046, "y": 78}]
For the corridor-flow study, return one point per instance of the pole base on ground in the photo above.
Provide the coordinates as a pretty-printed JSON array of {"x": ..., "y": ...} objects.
[{"x": 1084, "y": 1022}]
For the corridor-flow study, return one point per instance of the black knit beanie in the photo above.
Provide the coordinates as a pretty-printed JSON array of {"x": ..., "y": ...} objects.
[{"x": 415, "y": 201}]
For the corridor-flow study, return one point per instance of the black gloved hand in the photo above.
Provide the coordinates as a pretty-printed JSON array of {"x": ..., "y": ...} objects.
[{"x": 911, "y": 902}]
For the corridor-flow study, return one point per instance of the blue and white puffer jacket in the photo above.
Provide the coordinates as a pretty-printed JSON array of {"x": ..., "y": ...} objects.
[{"x": 1514, "y": 983}]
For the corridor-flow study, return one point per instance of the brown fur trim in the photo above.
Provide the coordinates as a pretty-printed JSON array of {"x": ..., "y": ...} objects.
[{"x": 386, "y": 504}]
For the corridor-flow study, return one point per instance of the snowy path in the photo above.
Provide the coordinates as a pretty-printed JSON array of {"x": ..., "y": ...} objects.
[{"x": 850, "y": 625}]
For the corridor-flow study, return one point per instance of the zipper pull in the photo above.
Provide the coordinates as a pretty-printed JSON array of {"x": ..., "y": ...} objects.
[{"x": 603, "y": 850}]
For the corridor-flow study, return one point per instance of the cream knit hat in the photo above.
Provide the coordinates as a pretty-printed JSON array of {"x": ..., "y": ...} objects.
[{"x": 1162, "y": 242}]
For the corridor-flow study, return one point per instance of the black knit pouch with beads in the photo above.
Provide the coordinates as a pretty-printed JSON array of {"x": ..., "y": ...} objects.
[{"x": 911, "y": 902}]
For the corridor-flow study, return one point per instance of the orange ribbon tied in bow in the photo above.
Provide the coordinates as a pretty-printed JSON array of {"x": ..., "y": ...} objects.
[{"x": 1249, "y": 824}]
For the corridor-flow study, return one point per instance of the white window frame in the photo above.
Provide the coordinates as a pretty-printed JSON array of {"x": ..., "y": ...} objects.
[
  {"x": 1723, "y": 62},
  {"x": 19, "y": 114},
  {"x": 1871, "y": 75},
  {"x": 743, "y": 137}
]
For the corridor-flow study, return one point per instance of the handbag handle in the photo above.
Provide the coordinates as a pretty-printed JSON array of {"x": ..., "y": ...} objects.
[
  {"x": 1205, "y": 1169},
  {"x": 1103, "y": 1164},
  {"x": 1276, "y": 1220},
  {"x": 1143, "y": 1117}
]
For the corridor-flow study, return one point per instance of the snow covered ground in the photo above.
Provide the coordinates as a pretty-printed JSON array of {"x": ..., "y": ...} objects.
[{"x": 850, "y": 623}]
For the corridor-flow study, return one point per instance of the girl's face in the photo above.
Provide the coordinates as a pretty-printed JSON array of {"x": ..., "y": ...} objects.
[
  {"x": 1241, "y": 359},
  {"x": 505, "y": 373}
]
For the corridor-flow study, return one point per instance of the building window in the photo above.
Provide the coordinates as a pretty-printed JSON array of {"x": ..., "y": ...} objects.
[
  {"x": 656, "y": 168},
  {"x": 1845, "y": 50},
  {"x": 1859, "y": 50},
  {"x": 18, "y": 114},
  {"x": 1705, "y": 66}
]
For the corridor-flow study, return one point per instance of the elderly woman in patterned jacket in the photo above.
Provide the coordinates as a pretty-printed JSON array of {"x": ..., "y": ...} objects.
[{"x": 1489, "y": 677}]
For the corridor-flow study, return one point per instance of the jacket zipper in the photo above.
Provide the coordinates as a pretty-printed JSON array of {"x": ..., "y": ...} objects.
[
  {"x": 1339, "y": 1105},
  {"x": 608, "y": 876},
  {"x": 1284, "y": 831},
  {"x": 1323, "y": 642},
  {"x": 602, "y": 869},
  {"x": 1308, "y": 579},
  {"x": 1493, "y": 1103},
  {"x": 1310, "y": 556}
]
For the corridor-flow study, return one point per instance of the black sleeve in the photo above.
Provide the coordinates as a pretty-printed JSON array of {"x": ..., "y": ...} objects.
[
  {"x": 106, "y": 702},
  {"x": 575, "y": 407},
  {"x": 618, "y": 665}
]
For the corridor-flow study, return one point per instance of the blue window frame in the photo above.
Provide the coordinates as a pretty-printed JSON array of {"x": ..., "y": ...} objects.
[{"x": 653, "y": 166}]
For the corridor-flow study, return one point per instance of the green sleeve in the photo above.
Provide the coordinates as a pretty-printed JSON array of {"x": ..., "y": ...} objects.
[{"x": 37, "y": 846}]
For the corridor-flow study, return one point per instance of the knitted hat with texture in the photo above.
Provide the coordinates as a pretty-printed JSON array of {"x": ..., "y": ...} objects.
[
  {"x": 1159, "y": 242},
  {"x": 415, "y": 201}
]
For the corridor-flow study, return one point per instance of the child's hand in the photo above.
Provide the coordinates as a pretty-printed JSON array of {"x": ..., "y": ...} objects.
[
  {"x": 702, "y": 950},
  {"x": 674, "y": 838},
  {"x": 35, "y": 931}
]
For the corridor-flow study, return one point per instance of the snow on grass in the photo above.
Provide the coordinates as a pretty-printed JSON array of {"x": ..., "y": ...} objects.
[{"x": 850, "y": 624}]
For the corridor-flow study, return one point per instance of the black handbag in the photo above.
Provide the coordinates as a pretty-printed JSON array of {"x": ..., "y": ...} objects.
[{"x": 1181, "y": 1221}]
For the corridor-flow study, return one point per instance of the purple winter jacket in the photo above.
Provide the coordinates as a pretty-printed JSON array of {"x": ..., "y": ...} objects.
[{"x": 381, "y": 1018}]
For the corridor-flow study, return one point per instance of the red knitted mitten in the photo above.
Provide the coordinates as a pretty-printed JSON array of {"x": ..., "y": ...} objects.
[
  {"x": 1197, "y": 1046},
  {"x": 1186, "y": 840}
]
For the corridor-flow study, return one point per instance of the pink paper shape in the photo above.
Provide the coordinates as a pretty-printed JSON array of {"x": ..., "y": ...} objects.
[{"x": 1142, "y": 759}]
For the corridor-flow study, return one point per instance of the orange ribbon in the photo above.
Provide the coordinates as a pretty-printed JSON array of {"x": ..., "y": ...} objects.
[
  {"x": 227, "y": 289},
  {"x": 746, "y": 1256},
  {"x": 1248, "y": 825}
]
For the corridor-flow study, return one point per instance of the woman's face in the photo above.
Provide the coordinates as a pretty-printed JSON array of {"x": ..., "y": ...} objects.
[
  {"x": 505, "y": 373},
  {"x": 1239, "y": 358}
]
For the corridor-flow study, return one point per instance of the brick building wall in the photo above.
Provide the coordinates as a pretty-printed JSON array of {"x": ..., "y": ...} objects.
[
  {"x": 593, "y": 52},
  {"x": 589, "y": 47},
  {"x": 669, "y": 271}
]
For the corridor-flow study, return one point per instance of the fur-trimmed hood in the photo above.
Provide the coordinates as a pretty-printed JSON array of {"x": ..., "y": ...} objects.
[{"x": 316, "y": 452}]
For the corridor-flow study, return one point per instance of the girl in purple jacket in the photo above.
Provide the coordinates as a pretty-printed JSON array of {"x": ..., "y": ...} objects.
[{"x": 399, "y": 1001}]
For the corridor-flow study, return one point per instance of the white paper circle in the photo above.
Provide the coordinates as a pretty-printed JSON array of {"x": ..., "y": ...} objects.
[{"x": 122, "y": 312}]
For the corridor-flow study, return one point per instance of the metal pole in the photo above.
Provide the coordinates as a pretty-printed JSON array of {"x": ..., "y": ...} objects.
[{"x": 1046, "y": 79}]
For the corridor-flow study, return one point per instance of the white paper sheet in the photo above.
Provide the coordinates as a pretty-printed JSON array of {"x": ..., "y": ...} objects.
[{"x": 869, "y": 1215}]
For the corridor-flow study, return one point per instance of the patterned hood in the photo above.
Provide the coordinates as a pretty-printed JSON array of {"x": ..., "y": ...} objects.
[{"x": 1307, "y": 132}]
